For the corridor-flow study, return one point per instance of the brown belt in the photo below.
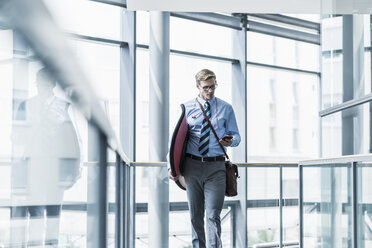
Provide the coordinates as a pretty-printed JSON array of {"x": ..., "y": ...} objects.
[{"x": 206, "y": 159}]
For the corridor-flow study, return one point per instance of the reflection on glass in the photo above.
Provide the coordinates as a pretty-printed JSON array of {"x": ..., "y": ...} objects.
[
  {"x": 364, "y": 212},
  {"x": 46, "y": 162},
  {"x": 327, "y": 206}
]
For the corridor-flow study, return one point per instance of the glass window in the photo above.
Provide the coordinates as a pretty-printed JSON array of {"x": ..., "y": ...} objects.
[
  {"x": 355, "y": 122},
  {"x": 270, "y": 124},
  {"x": 279, "y": 51},
  {"x": 101, "y": 64},
  {"x": 200, "y": 37},
  {"x": 142, "y": 27},
  {"x": 87, "y": 17},
  {"x": 142, "y": 104}
]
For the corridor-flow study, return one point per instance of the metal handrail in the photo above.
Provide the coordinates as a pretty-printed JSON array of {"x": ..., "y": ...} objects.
[
  {"x": 243, "y": 165},
  {"x": 341, "y": 159}
]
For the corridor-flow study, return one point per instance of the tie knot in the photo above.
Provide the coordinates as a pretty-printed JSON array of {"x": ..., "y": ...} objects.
[{"x": 206, "y": 105}]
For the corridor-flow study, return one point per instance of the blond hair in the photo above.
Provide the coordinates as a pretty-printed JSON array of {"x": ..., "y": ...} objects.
[{"x": 203, "y": 75}]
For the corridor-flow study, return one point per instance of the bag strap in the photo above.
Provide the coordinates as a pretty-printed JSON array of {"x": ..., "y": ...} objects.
[{"x": 214, "y": 132}]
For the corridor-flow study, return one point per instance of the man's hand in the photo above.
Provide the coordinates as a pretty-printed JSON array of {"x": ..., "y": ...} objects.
[
  {"x": 171, "y": 176},
  {"x": 226, "y": 142}
]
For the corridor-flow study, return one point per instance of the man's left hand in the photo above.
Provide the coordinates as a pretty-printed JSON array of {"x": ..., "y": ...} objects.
[{"x": 226, "y": 142}]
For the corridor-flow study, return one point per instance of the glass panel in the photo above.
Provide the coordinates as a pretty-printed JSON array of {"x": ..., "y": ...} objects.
[
  {"x": 263, "y": 183},
  {"x": 273, "y": 50},
  {"x": 356, "y": 141},
  {"x": 179, "y": 220},
  {"x": 263, "y": 207},
  {"x": 263, "y": 227},
  {"x": 290, "y": 206},
  {"x": 364, "y": 214},
  {"x": 142, "y": 105},
  {"x": 367, "y": 30},
  {"x": 287, "y": 127},
  {"x": 200, "y": 37},
  {"x": 44, "y": 162},
  {"x": 327, "y": 206},
  {"x": 87, "y": 17},
  {"x": 101, "y": 64},
  {"x": 331, "y": 61},
  {"x": 143, "y": 27},
  {"x": 44, "y": 186}
]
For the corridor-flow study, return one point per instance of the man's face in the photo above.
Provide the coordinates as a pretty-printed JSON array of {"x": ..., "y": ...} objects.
[{"x": 207, "y": 88}]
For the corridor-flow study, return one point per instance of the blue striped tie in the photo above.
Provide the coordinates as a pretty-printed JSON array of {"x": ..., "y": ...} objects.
[{"x": 204, "y": 133}]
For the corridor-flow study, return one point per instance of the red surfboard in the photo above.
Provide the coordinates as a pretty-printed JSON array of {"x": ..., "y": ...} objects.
[{"x": 178, "y": 148}]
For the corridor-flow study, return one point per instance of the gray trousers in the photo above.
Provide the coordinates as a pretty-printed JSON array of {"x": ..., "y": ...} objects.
[{"x": 205, "y": 186}]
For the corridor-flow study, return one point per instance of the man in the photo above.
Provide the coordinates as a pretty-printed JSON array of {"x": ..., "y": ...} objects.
[
  {"x": 204, "y": 169},
  {"x": 45, "y": 164}
]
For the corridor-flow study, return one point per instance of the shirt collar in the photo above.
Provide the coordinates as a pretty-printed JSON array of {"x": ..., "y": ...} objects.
[{"x": 202, "y": 101}]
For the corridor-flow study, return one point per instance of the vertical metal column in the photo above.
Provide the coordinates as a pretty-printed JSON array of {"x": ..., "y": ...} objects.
[
  {"x": 353, "y": 82},
  {"x": 102, "y": 192},
  {"x": 370, "y": 103},
  {"x": 353, "y": 87},
  {"x": 97, "y": 189},
  {"x": 239, "y": 102},
  {"x": 354, "y": 205},
  {"x": 158, "y": 206},
  {"x": 128, "y": 124},
  {"x": 118, "y": 212},
  {"x": 128, "y": 205}
]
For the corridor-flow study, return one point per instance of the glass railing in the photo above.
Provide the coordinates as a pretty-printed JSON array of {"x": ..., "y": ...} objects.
[
  {"x": 335, "y": 202},
  {"x": 56, "y": 188},
  {"x": 269, "y": 192}
]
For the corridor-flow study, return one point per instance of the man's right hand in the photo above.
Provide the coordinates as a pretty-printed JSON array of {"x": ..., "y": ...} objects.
[{"x": 171, "y": 176}]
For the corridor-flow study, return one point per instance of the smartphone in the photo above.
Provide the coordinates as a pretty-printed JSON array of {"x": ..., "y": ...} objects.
[{"x": 227, "y": 137}]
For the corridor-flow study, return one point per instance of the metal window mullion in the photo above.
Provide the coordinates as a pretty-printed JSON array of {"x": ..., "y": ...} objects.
[
  {"x": 289, "y": 20},
  {"x": 118, "y": 202},
  {"x": 132, "y": 204},
  {"x": 112, "y": 2},
  {"x": 281, "y": 207},
  {"x": 346, "y": 105},
  {"x": 300, "y": 204},
  {"x": 263, "y": 28},
  {"x": 100, "y": 40},
  {"x": 210, "y": 18},
  {"x": 122, "y": 205},
  {"x": 283, "y": 68},
  {"x": 354, "y": 205}
]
